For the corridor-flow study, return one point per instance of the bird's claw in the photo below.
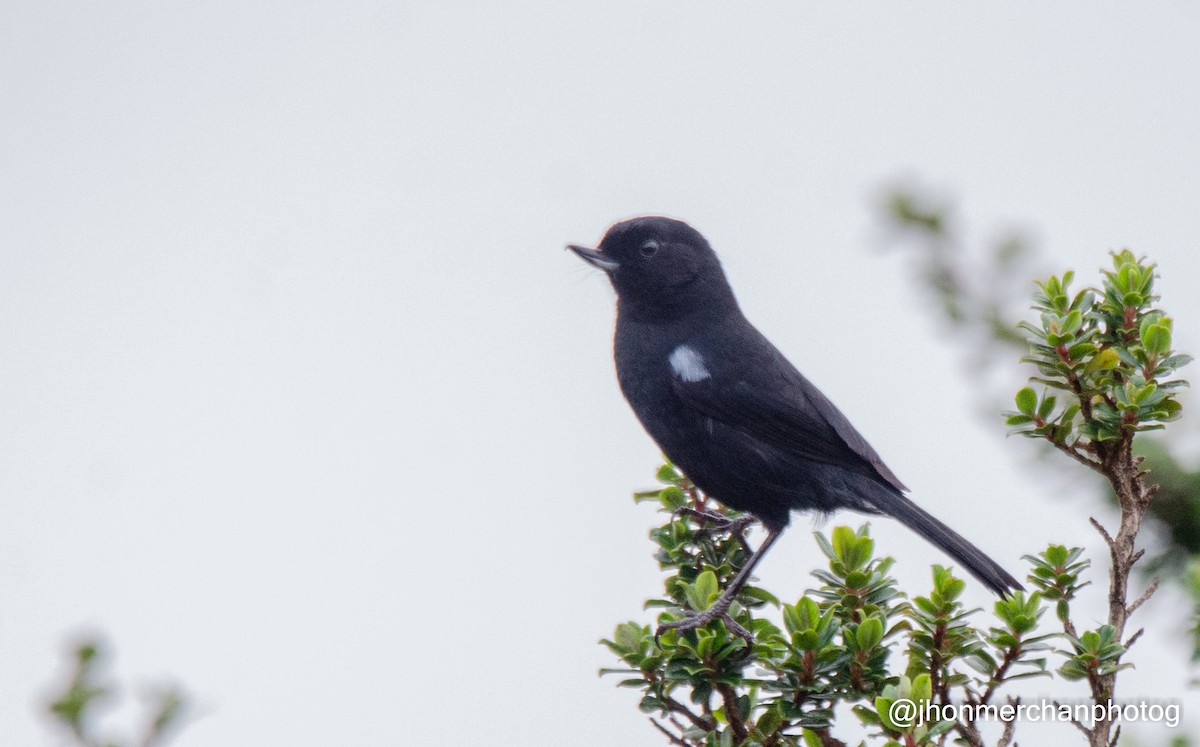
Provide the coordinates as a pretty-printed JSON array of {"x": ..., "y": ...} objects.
[
  {"x": 716, "y": 522},
  {"x": 700, "y": 619}
]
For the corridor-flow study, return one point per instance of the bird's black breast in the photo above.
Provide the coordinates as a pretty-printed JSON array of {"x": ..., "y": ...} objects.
[{"x": 642, "y": 353}]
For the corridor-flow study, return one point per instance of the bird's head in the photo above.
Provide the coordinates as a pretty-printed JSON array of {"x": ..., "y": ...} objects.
[{"x": 659, "y": 263}]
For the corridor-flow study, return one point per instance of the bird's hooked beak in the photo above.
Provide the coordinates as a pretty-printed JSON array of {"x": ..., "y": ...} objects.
[{"x": 594, "y": 257}]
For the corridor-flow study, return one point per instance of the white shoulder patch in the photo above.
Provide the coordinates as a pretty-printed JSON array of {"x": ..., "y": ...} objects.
[{"x": 688, "y": 365}]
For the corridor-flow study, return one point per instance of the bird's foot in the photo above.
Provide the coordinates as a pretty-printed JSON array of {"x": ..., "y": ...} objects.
[
  {"x": 694, "y": 620},
  {"x": 720, "y": 608},
  {"x": 714, "y": 521}
]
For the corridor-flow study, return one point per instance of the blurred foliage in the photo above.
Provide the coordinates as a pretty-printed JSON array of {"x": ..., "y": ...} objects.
[
  {"x": 79, "y": 706},
  {"x": 1176, "y": 506},
  {"x": 1193, "y": 588},
  {"x": 980, "y": 296}
]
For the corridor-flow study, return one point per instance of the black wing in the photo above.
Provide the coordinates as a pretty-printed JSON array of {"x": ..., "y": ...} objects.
[{"x": 764, "y": 396}]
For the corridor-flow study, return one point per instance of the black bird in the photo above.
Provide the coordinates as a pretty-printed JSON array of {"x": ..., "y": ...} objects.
[{"x": 726, "y": 406}]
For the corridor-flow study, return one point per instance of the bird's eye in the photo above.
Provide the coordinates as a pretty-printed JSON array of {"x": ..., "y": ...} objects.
[{"x": 649, "y": 248}]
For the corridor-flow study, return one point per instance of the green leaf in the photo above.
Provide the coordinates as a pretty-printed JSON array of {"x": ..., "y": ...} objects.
[
  {"x": 811, "y": 739},
  {"x": 1079, "y": 350},
  {"x": 844, "y": 542},
  {"x": 1105, "y": 360},
  {"x": 869, "y": 633},
  {"x": 702, "y": 592},
  {"x": 769, "y": 721},
  {"x": 1026, "y": 401},
  {"x": 922, "y": 687},
  {"x": 651, "y": 704},
  {"x": 1156, "y": 338},
  {"x": 760, "y": 594},
  {"x": 883, "y": 707},
  {"x": 628, "y": 636},
  {"x": 1069, "y": 414},
  {"x": 1072, "y": 322},
  {"x": 1046, "y": 407},
  {"x": 672, "y": 498}
]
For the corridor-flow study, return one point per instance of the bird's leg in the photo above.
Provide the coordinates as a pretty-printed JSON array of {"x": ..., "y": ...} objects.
[
  {"x": 736, "y": 527},
  {"x": 720, "y": 608}
]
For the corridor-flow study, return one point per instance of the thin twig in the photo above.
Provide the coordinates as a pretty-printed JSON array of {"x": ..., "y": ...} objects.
[
  {"x": 1153, "y": 587},
  {"x": 1010, "y": 728},
  {"x": 1074, "y": 453},
  {"x": 969, "y": 732},
  {"x": 1011, "y": 654},
  {"x": 1103, "y": 532},
  {"x": 667, "y": 732},
  {"x": 676, "y": 707},
  {"x": 1133, "y": 638},
  {"x": 1075, "y": 722}
]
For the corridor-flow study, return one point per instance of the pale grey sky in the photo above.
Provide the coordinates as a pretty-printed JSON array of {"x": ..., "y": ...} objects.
[{"x": 302, "y": 404}]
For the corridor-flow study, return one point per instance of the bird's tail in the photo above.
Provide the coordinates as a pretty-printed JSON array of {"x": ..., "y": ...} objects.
[{"x": 971, "y": 557}]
